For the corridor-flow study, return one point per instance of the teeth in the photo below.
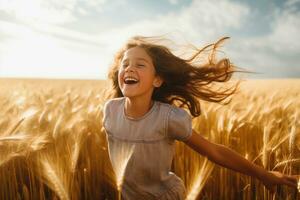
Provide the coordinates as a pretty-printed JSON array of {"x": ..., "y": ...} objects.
[{"x": 130, "y": 79}]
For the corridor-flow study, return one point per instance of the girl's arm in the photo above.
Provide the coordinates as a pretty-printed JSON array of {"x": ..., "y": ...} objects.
[{"x": 228, "y": 158}]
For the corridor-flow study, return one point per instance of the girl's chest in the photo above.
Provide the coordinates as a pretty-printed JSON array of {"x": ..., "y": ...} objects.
[{"x": 147, "y": 130}]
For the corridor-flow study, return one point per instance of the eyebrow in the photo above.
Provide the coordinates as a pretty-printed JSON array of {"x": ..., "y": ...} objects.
[{"x": 137, "y": 59}]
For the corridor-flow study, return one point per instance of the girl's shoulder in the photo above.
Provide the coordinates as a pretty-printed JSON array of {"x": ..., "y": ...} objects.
[
  {"x": 178, "y": 122},
  {"x": 111, "y": 106},
  {"x": 113, "y": 101},
  {"x": 171, "y": 108}
]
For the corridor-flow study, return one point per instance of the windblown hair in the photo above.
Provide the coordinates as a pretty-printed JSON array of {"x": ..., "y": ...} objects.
[{"x": 184, "y": 81}]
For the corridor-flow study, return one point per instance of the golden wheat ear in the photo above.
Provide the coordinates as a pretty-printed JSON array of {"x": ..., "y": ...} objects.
[
  {"x": 15, "y": 127},
  {"x": 19, "y": 136}
]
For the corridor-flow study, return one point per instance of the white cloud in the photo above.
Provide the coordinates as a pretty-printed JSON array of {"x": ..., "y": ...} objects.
[
  {"x": 39, "y": 11},
  {"x": 275, "y": 54},
  {"x": 286, "y": 30},
  {"x": 50, "y": 11},
  {"x": 291, "y": 3},
  {"x": 45, "y": 56},
  {"x": 173, "y": 2},
  {"x": 203, "y": 21},
  {"x": 37, "y": 51},
  {"x": 18, "y": 30},
  {"x": 200, "y": 23}
]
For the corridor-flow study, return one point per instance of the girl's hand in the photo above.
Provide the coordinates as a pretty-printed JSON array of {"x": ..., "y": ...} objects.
[{"x": 274, "y": 178}]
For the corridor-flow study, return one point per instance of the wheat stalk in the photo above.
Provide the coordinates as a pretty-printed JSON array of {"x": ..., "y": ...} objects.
[{"x": 54, "y": 180}]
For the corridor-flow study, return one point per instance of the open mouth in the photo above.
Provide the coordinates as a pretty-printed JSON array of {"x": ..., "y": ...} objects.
[{"x": 130, "y": 81}]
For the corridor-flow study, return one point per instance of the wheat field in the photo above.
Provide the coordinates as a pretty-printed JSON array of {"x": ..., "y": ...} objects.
[{"x": 52, "y": 144}]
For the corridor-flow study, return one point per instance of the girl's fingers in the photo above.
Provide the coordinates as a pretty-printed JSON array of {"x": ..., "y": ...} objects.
[
  {"x": 290, "y": 183},
  {"x": 293, "y": 178}
]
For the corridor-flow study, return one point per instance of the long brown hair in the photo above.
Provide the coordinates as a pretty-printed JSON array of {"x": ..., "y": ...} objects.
[{"x": 185, "y": 82}]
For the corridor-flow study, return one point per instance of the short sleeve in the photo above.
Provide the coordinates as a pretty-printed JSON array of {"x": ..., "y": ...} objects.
[{"x": 179, "y": 124}]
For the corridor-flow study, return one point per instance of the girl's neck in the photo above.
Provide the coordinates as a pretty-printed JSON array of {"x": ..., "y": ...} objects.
[{"x": 136, "y": 108}]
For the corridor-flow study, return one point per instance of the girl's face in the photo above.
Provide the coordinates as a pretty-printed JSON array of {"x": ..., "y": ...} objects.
[{"x": 136, "y": 74}]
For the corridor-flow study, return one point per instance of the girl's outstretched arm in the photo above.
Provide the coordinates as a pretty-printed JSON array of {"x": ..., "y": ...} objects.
[{"x": 228, "y": 158}]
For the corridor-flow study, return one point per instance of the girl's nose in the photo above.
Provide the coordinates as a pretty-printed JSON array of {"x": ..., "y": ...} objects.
[{"x": 129, "y": 69}]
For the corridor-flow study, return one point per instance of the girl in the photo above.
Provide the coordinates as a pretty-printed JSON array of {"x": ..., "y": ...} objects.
[{"x": 148, "y": 81}]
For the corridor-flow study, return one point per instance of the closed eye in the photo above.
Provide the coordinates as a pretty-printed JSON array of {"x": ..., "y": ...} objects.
[{"x": 137, "y": 65}]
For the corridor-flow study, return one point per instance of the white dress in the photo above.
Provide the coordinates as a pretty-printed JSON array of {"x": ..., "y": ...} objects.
[{"x": 142, "y": 149}]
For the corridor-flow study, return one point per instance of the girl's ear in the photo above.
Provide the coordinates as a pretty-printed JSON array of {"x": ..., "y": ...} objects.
[{"x": 157, "y": 81}]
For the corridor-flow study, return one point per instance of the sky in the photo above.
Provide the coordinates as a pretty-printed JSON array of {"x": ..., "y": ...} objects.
[{"x": 77, "y": 39}]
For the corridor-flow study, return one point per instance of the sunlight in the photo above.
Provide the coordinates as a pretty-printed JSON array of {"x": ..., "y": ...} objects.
[
  {"x": 120, "y": 154},
  {"x": 35, "y": 52},
  {"x": 37, "y": 10},
  {"x": 31, "y": 51},
  {"x": 200, "y": 179}
]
